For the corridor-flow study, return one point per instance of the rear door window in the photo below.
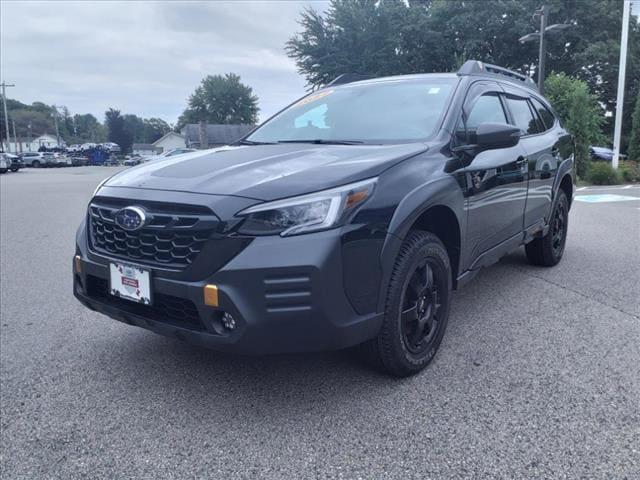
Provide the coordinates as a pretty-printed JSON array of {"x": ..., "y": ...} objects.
[
  {"x": 545, "y": 114},
  {"x": 523, "y": 117}
]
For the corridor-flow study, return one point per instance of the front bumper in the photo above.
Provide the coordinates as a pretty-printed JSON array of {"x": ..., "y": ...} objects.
[{"x": 286, "y": 295}]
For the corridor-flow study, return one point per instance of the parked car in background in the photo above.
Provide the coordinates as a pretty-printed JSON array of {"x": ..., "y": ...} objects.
[
  {"x": 601, "y": 154},
  {"x": 62, "y": 160},
  {"x": 52, "y": 160},
  {"x": 13, "y": 161},
  {"x": 87, "y": 146},
  {"x": 74, "y": 148},
  {"x": 5, "y": 163},
  {"x": 16, "y": 162},
  {"x": 79, "y": 160},
  {"x": 111, "y": 147},
  {"x": 36, "y": 159}
]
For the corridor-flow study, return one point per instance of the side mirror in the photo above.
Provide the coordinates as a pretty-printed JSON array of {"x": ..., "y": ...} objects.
[{"x": 490, "y": 136}]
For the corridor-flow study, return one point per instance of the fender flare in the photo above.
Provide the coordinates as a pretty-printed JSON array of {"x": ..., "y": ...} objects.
[{"x": 441, "y": 192}]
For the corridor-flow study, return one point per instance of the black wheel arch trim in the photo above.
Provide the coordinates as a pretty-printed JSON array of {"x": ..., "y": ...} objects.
[{"x": 441, "y": 192}]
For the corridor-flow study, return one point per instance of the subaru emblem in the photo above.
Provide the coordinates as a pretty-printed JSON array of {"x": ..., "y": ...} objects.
[{"x": 130, "y": 218}]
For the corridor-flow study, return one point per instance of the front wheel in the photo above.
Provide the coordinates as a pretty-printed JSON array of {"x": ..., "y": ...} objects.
[
  {"x": 35, "y": 164},
  {"x": 417, "y": 307},
  {"x": 15, "y": 169},
  {"x": 547, "y": 251},
  {"x": 3, "y": 170}
]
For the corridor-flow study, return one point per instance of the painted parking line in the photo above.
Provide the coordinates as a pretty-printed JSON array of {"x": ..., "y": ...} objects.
[
  {"x": 610, "y": 187},
  {"x": 604, "y": 198}
]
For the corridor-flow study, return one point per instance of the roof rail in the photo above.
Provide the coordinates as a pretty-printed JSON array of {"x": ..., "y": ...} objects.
[
  {"x": 474, "y": 67},
  {"x": 348, "y": 78}
]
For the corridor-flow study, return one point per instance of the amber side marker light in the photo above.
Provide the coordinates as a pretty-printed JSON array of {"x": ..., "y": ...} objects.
[
  {"x": 78, "y": 264},
  {"x": 356, "y": 197},
  {"x": 211, "y": 295}
]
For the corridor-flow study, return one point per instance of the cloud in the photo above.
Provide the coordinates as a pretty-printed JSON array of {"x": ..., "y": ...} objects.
[{"x": 147, "y": 57}]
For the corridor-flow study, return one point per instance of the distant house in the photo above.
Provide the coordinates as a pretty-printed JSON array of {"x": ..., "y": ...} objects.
[
  {"x": 44, "y": 140},
  {"x": 170, "y": 141},
  {"x": 145, "y": 149},
  {"x": 215, "y": 135}
]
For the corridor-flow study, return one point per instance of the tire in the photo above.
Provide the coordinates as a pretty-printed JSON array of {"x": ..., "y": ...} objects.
[
  {"x": 15, "y": 169},
  {"x": 407, "y": 343},
  {"x": 3, "y": 170},
  {"x": 35, "y": 164},
  {"x": 547, "y": 251}
]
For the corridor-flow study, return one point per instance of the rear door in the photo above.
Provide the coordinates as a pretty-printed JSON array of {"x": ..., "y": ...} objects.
[
  {"x": 496, "y": 180},
  {"x": 538, "y": 143}
]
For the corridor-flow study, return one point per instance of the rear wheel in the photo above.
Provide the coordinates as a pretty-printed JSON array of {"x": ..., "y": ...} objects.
[
  {"x": 35, "y": 164},
  {"x": 3, "y": 170},
  {"x": 417, "y": 307},
  {"x": 547, "y": 251}
]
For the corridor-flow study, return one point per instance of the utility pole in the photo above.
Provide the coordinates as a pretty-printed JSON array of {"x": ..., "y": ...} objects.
[
  {"x": 55, "y": 121},
  {"x": 617, "y": 130},
  {"x": 6, "y": 116},
  {"x": 15, "y": 137},
  {"x": 543, "y": 12},
  {"x": 541, "y": 53}
]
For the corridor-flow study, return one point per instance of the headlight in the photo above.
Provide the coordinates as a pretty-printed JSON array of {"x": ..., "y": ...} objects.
[{"x": 307, "y": 213}]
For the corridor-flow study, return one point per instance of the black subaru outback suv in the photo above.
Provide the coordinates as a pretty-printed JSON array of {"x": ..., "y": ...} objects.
[{"x": 346, "y": 219}]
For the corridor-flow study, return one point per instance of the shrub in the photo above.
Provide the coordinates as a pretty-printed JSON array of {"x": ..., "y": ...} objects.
[
  {"x": 602, "y": 173},
  {"x": 630, "y": 171},
  {"x": 580, "y": 112},
  {"x": 634, "y": 142}
]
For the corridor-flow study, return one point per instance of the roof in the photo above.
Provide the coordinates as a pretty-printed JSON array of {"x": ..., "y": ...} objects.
[
  {"x": 216, "y": 134},
  {"x": 144, "y": 146},
  {"x": 166, "y": 135}
]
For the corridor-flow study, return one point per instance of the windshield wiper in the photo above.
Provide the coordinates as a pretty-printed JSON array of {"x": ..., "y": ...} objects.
[
  {"x": 251, "y": 142},
  {"x": 319, "y": 141}
]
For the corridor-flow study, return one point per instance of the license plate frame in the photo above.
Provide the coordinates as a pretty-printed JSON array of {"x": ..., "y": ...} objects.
[{"x": 130, "y": 282}]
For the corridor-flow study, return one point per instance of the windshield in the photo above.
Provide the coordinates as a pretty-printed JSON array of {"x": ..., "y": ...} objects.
[{"x": 394, "y": 111}]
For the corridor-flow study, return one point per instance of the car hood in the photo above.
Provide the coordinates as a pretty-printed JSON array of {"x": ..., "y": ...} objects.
[{"x": 266, "y": 172}]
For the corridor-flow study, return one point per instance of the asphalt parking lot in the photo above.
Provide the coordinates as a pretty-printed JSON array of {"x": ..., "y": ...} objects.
[{"x": 538, "y": 375}]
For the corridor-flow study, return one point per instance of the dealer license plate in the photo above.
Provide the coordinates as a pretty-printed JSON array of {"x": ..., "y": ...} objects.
[{"x": 130, "y": 282}]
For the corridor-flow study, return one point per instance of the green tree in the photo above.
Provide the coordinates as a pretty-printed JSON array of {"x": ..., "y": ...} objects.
[
  {"x": 634, "y": 142},
  {"x": 385, "y": 37},
  {"x": 87, "y": 128},
  {"x": 221, "y": 99},
  {"x": 580, "y": 113},
  {"x": 116, "y": 131},
  {"x": 155, "y": 128}
]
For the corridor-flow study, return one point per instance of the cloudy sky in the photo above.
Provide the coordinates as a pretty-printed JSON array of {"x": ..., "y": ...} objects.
[{"x": 146, "y": 57}]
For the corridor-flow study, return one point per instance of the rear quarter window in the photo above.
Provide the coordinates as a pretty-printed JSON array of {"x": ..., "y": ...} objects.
[{"x": 545, "y": 114}]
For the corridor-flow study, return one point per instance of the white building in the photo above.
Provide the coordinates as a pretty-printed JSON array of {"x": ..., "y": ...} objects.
[
  {"x": 145, "y": 149},
  {"x": 45, "y": 140},
  {"x": 170, "y": 141}
]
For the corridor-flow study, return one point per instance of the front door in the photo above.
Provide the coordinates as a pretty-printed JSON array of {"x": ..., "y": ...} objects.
[{"x": 496, "y": 180}]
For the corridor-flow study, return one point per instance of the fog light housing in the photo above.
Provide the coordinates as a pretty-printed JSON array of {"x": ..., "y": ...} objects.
[{"x": 228, "y": 321}]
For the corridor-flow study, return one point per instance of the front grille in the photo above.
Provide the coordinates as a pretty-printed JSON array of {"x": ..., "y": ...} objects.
[
  {"x": 173, "y": 236},
  {"x": 165, "y": 308}
]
